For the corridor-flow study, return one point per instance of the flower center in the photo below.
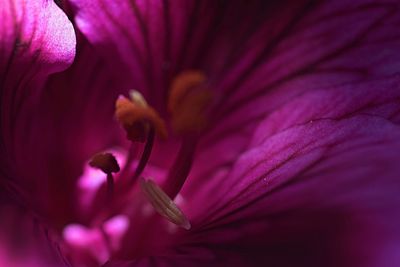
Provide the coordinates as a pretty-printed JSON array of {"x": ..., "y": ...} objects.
[{"x": 188, "y": 103}]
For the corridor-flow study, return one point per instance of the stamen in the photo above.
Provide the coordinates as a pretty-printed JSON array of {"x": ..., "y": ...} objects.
[
  {"x": 138, "y": 98},
  {"x": 180, "y": 169},
  {"x": 145, "y": 155},
  {"x": 105, "y": 162},
  {"x": 110, "y": 185},
  {"x": 132, "y": 153},
  {"x": 108, "y": 164},
  {"x": 188, "y": 101},
  {"x": 136, "y": 117},
  {"x": 163, "y": 204}
]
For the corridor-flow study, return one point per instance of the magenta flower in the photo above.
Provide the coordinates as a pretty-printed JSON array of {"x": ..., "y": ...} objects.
[{"x": 200, "y": 133}]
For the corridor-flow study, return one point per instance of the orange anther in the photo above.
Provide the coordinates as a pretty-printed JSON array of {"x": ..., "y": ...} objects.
[
  {"x": 188, "y": 99},
  {"x": 181, "y": 85},
  {"x": 136, "y": 117}
]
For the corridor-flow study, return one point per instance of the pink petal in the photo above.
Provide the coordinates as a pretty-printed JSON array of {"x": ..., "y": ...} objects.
[
  {"x": 195, "y": 256},
  {"x": 73, "y": 121},
  {"x": 24, "y": 241},
  {"x": 305, "y": 191},
  {"x": 315, "y": 52},
  {"x": 37, "y": 39},
  {"x": 319, "y": 185},
  {"x": 246, "y": 49},
  {"x": 257, "y": 56}
]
